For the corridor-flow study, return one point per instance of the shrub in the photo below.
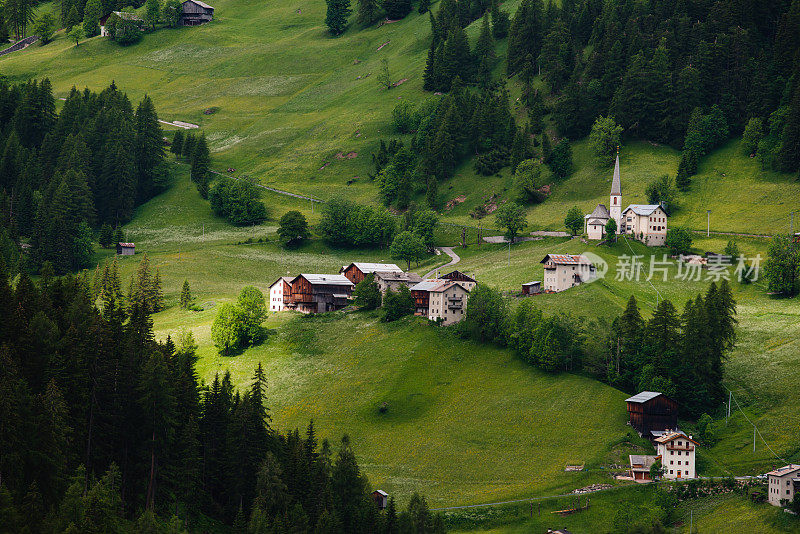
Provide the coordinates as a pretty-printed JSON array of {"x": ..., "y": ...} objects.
[
  {"x": 366, "y": 294},
  {"x": 238, "y": 201},
  {"x": 679, "y": 240},
  {"x": 293, "y": 228},
  {"x": 397, "y": 304}
]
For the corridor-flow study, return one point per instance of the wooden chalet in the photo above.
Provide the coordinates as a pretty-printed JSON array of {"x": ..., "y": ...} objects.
[
  {"x": 467, "y": 282},
  {"x": 195, "y": 12},
  {"x": 126, "y": 249},
  {"x": 422, "y": 295},
  {"x": 318, "y": 293},
  {"x": 355, "y": 272},
  {"x": 650, "y": 412}
]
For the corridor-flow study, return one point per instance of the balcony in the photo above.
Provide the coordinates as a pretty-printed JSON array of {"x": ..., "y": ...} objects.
[{"x": 671, "y": 447}]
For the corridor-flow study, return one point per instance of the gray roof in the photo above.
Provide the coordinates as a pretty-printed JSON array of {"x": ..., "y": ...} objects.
[
  {"x": 642, "y": 209},
  {"x": 327, "y": 279},
  {"x": 126, "y": 15},
  {"x": 199, "y": 3},
  {"x": 600, "y": 212},
  {"x": 287, "y": 279},
  {"x": 532, "y": 283},
  {"x": 427, "y": 285},
  {"x": 644, "y": 396},
  {"x": 616, "y": 187},
  {"x": 375, "y": 267},
  {"x": 601, "y": 222},
  {"x": 394, "y": 276},
  {"x": 645, "y": 460}
]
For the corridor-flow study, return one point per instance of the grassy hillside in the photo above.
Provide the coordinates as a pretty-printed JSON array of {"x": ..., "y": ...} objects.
[{"x": 292, "y": 103}]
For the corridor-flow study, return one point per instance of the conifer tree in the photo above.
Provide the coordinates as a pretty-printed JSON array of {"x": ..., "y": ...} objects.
[
  {"x": 106, "y": 235},
  {"x": 484, "y": 51},
  {"x": 156, "y": 295},
  {"x": 187, "y": 149},
  {"x": 200, "y": 165},
  {"x": 500, "y": 21},
  {"x": 336, "y": 16},
  {"x": 149, "y": 149},
  {"x": 186, "y": 296},
  {"x": 789, "y": 153},
  {"x": 91, "y": 16},
  {"x": 424, "y": 6},
  {"x": 368, "y": 11},
  {"x": 177, "y": 143}
]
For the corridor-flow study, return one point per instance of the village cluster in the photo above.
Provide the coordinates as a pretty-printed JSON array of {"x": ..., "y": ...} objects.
[{"x": 442, "y": 299}]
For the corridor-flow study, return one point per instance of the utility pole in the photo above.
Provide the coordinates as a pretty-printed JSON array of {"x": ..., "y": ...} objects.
[
  {"x": 791, "y": 223},
  {"x": 509, "y": 253},
  {"x": 754, "y": 438},
  {"x": 728, "y": 412},
  {"x": 708, "y": 223}
]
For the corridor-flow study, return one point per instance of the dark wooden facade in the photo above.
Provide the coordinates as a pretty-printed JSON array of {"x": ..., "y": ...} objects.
[
  {"x": 657, "y": 413},
  {"x": 421, "y": 302},
  {"x": 317, "y": 298},
  {"x": 195, "y": 12},
  {"x": 458, "y": 276},
  {"x": 353, "y": 273}
]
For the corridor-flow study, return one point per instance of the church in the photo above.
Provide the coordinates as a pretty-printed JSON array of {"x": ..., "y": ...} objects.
[{"x": 645, "y": 222}]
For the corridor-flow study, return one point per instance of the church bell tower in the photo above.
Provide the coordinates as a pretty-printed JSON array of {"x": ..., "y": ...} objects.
[{"x": 615, "y": 202}]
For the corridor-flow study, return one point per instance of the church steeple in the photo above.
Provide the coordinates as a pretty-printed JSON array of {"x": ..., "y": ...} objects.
[{"x": 615, "y": 203}]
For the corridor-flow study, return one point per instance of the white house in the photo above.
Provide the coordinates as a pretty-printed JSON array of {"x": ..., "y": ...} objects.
[
  {"x": 784, "y": 482},
  {"x": 440, "y": 299},
  {"x": 278, "y": 292},
  {"x": 563, "y": 271},
  {"x": 645, "y": 222},
  {"x": 677, "y": 452}
]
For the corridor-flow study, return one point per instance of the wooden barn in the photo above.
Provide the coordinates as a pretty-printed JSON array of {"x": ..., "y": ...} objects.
[
  {"x": 650, "y": 411},
  {"x": 532, "y": 288},
  {"x": 195, "y": 12},
  {"x": 126, "y": 249},
  {"x": 355, "y": 272},
  {"x": 381, "y": 498},
  {"x": 467, "y": 282},
  {"x": 318, "y": 293}
]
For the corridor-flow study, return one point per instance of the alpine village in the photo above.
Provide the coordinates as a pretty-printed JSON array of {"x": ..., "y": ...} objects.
[{"x": 399, "y": 266}]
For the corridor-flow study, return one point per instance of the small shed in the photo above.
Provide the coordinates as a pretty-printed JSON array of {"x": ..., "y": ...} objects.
[
  {"x": 126, "y": 249},
  {"x": 381, "y": 498},
  {"x": 532, "y": 288},
  {"x": 195, "y": 12}
]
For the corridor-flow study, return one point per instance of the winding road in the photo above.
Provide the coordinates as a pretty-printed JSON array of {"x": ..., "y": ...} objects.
[{"x": 454, "y": 258}]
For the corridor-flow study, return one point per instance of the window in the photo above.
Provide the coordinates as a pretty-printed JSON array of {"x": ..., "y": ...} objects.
[{"x": 670, "y": 471}]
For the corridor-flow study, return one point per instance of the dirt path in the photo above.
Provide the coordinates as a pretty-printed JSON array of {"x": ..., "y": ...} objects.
[
  {"x": 502, "y": 239},
  {"x": 454, "y": 258}
]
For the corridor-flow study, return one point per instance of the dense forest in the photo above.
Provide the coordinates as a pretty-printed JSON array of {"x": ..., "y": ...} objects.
[
  {"x": 689, "y": 74},
  {"x": 105, "y": 429},
  {"x": 680, "y": 354},
  {"x": 64, "y": 175}
]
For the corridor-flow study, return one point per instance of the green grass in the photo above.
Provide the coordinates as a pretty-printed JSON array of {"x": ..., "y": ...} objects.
[
  {"x": 734, "y": 513},
  {"x": 290, "y": 98}
]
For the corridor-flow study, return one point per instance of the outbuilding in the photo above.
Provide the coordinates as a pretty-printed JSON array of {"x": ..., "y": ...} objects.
[
  {"x": 318, "y": 293},
  {"x": 126, "y": 249},
  {"x": 381, "y": 498},
  {"x": 195, "y": 12},
  {"x": 355, "y": 272},
  {"x": 651, "y": 411},
  {"x": 532, "y": 288}
]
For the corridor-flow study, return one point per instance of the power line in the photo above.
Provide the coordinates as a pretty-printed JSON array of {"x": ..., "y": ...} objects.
[{"x": 755, "y": 428}]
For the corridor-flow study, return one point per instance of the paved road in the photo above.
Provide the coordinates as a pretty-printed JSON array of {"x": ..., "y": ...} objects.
[
  {"x": 502, "y": 239},
  {"x": 454, "y": 258}
]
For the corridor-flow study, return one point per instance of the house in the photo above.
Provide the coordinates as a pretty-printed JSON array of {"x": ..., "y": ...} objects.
[
  {"x": 650, "y": 412},
  {"x": 123, "y": 15},
  {"x": 532, "y": 288},
  {"x": 195, "y": 12},
  {"x": 126, "y": 249},
  {"x": 640, "y": 466},
  {"x": 440, "y": 300},
  {"x": 467, "y": 282},
  {"x": 279, "y": 292},
  {"x": 355, "y": 272},
  {"x": 783, "y": 484},
  {"x": 381, "y": 498},
  {"x": 645, "y": 222},
  {"x": 394, "y": 280},
  {"x": 563, "y": 271},
  {"x": 318, "y": 293},
  {"x": 677, "y": 453}
]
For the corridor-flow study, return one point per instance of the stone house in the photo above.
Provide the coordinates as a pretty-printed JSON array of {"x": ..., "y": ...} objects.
[{"x": 563, "y": 271}]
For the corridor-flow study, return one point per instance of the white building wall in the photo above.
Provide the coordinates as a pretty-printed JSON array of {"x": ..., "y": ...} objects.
[
  {"x": 678, "y": 464},
  {"x": 276, "y": 297}
]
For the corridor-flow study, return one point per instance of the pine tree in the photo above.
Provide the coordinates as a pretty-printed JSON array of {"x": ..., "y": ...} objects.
[
  {"x": 336, "y": 16},
  {"x": 177, "y": 143},
  {"x": 424, "y": 6},
  {"x": 200, "y": 166},
  {"x": 119, "y": 235},
  {"x": 500, "y": 21},
  {"x": 368, "y": 11},
  {"x": 484, "y": 51},
  {"x": 186, "y": 296},
  {"x": 106, "y": 235},
  {"x": 187, "y": 149},
  {"x": 789, "y": 152},
  {"x": 156, "y": 295},
  {"x": 397, "y": 9},
  {"x": 149, "y": 148}
]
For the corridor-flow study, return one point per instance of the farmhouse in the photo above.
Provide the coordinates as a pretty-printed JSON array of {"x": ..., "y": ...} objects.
[
  {"x": 318, "y": 293},
  {"x": 645, "y": 222},
  {"x": 468, "y": 282},
  {"x": 563, "y": 271},
  {"x": 195, "y": 12},
  {"x": 677, "y": 453},
  {"x": 355, "y": 272},
  {"x": 783, "y": 484},
  {"x": 394, "y": 280},
  {"x": 650, "y": 412},
  {"x": 126, "y": 249},
  {"x": 279, "y": 292},
  {"x": 440, "y": 300},
  {"x": 640, "y": 466}
]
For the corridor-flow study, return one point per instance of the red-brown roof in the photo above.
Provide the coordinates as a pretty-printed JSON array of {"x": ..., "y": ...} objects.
[{"x": 565, "y": 259}]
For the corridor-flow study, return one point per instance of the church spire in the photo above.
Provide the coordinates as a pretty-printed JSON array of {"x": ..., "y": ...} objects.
[{"x": 616, "y": 188}]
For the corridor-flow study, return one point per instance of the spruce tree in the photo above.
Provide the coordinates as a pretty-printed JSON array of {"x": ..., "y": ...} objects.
[
  {"x": 177, "y": 143},
  {"x": 149, "y": 149},
  {"x": 789, "y": 152},
  {"x": 367, "y": 12},
  {"x": 484, "y": 51},
  {"x": 186, "y": 296},
  {"x": 424, "y": 6},
  {"x": 336, "y": 16},
  {"x": 200, "y": 166},
  {"x": 500, "y": 21},
  {"x": 91, "y": 16},
  {"x": 106, "y": 235},
  {"x": 187, "y": 148},
  {"x": 156, "y": 295}
]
